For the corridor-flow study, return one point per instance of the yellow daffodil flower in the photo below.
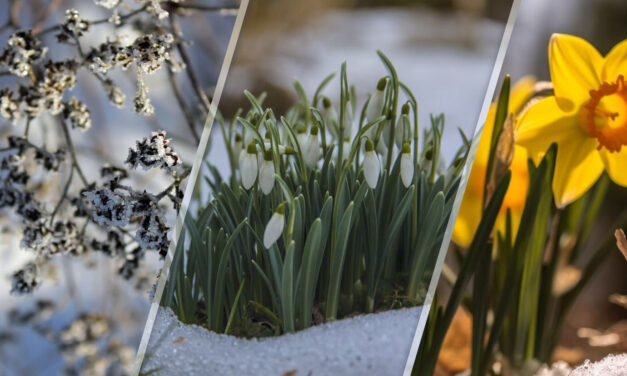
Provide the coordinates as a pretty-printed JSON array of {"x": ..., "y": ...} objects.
[
  {"x": 586, "y": 117},
  {"x": 471, "y": 208}
]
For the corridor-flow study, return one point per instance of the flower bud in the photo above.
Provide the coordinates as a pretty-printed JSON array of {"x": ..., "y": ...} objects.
[
  {"x": 274, "y": 228},
  {"x": 348, "y": 120},
  {"x": 403, "y": 131},
  {"x": 237, "y": 146},
  {"x": 311, "y": 149},
  {"x": 248, "y": 165},
  {"x": 371, "y": 166},
  {"x": 266, "y": 173},
  {"x": 375, "y": 106},
  {"x": 407, "y": 166}
]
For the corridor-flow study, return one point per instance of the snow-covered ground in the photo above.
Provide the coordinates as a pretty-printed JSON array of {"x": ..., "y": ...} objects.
[{"x": 374, "y": 344}]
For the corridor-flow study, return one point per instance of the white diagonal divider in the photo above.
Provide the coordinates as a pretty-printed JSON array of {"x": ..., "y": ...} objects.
[
  {"x": 494, "y": 77},
  {"x": 191, "y": 183}
]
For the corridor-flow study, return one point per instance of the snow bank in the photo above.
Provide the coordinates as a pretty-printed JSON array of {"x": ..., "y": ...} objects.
[{"x": 375, "y": 344}]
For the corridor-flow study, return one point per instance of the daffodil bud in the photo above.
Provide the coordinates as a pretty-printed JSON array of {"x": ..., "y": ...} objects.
[
  {"x": 403, "y": 132},
  {"x": 407, "y": 166},
  {"x": 274, "y": 228},
  {"x": 375, "y": 106},
  {"x": 372, "y": 167},
  {"x": 266, "y": 173},
  {"x": 311, "y": 149},
  {"x": 248, "y": 165}
]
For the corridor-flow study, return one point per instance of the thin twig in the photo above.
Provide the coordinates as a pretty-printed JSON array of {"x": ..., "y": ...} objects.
[
  {"x": 66, "y": 188},
  {"x": 203, "y": 7},
  {"x": 188, "y": 116},
  {"x": 190, "y": 71},
  {"x": 45, "y": 14},
  {"x": 70, "y": 146}
]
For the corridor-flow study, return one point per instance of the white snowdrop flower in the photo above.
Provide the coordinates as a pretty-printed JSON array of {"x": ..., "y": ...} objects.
[
  {"x": 249, "y": 137},
  {"x": 346, "y": 148},
  {"x": 274, "y": 228},
  {"x": 348, "y": 120},
  {"x": 248, "y": 165},
  {"x": 375, "y": 106},
  {"x": 266, "y": 173},
  {"x": 301, "y": 135},
  {"x": 311, "y": 148},
  {"x": 403, "y": 131},
  {"x": 329, "y": 115},
  {"x": 237, "y": 146},
  {"x": 372, "y": 167},
  {"x": 407, "y": 166}
]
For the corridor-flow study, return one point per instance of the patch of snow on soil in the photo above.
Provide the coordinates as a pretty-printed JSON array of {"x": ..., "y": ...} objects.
[
  {"x": 374, "y": 344},
  {"x": 611, "y": 365}
]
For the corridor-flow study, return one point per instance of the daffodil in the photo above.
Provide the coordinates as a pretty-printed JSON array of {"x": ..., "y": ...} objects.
[
  {"x": 472, "y": 204},
  {"x": 407, "y": 166},
  {"x": 274, "y": 228},
  {"x": 372, "y": 166},
  {"x": 586, "y": 117}
]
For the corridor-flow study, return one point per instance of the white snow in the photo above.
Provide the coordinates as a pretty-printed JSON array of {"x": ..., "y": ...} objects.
[
  {"x": 373, "y": 344},
  {"x": 611, "y": 365}
]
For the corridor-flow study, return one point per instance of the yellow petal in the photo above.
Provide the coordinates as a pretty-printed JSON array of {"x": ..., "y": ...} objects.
[
  {"x": 545, "y": 123},
  {"x": 615, "y": 62},
  {"x": 467, "y": 219},
  {"x": 616, "y": 165},
  {"x": 577, "y": 167},
  {"x": 575, "y": 67}
]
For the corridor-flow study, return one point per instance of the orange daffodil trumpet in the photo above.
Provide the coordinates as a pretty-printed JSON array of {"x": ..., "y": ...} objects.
[
  {"x": 472, "y": 204},
  {"x": 586, "y": 117}
]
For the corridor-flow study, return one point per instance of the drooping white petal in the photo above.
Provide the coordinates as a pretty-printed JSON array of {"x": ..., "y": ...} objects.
[
  {"x": 274, "y": 229},
  {"x": 248, "y": 168},
  {"x": 311, "y": 151},
  {"x": 375, "y": 106},
  {"x": 407, "y": 169},
  {"x": 402, "y": 133},
  {"x": 237, "y": 149},
  {"x": 266, "y": 176},
  {"x": 372, "y": 168}
]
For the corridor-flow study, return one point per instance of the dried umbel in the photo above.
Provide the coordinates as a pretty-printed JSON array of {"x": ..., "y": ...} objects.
[{"x": 21, "y": 52}]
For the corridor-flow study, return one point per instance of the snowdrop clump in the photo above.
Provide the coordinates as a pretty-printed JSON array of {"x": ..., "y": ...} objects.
[{"x": 330, "y": 210}]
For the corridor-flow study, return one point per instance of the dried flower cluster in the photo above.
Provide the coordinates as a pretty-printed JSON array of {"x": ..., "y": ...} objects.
[
  {"x": 57, "y": 209},
  {"x": 85, "y": 343}
]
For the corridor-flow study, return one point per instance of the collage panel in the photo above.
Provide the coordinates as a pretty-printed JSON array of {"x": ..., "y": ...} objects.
[
  {"x": 102, "y": 104},
  {"x": 322, "y": 200},
  {"x": 534, "y": 280}
]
